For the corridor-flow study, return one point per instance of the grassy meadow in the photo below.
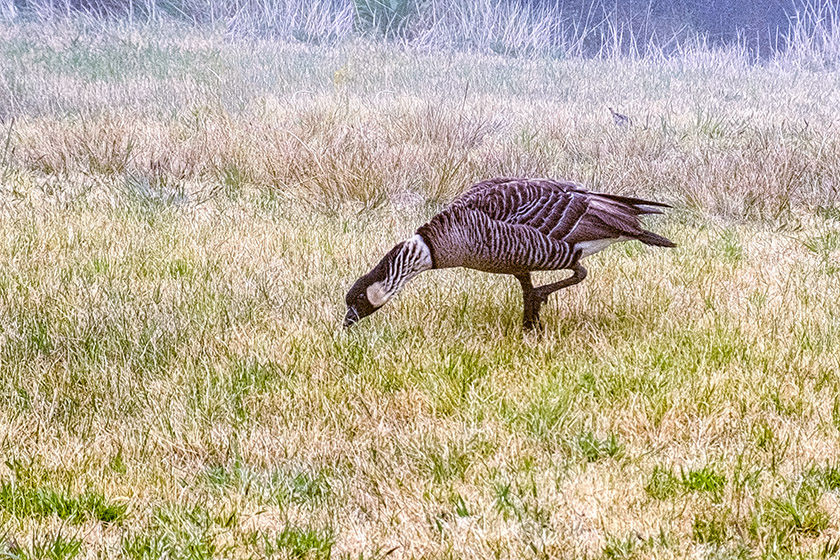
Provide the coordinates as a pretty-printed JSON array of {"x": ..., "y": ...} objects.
[{"x": 182, "y": 211}]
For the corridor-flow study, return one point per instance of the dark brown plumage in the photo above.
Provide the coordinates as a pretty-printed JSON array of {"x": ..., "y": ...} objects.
[{"x": 510, "y": 226}]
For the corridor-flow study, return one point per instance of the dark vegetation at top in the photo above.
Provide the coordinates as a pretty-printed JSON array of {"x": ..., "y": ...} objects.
[{"x": 511, "y": 27}]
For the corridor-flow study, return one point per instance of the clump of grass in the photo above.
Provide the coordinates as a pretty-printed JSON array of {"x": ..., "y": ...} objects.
[
  {"x": 705, "y": 479},
  {"x": 300, "y": 542},
  {"x": 730, "y": 246},
  {"x": 794, "y": 515},
  {"x": 662, "y": 484},
  {"x": 709, "y": 529},
  {"x": 826, "y": 477},
  {"x": 43, "y": 501},
  {"x": 460, "y": 505},
  {"x": 783, "y": 522},
  {"x": 827, "y": 247},
  {"x": 142, "y": 547},
  {"x": 47, "y": 547},
  {"x": 176, "y": 530},
  {"x": 458, "y": 374},
  {"x": 594, "y": 449},
  {"x": 445, "y": 463},
  {"x": 518, "y": 497},
  {"x": 117, "y": 464},
  {"x": 621, "y": 549},
  {"x": 300, "y": 488},
  {"x": 546, "y": 415}
]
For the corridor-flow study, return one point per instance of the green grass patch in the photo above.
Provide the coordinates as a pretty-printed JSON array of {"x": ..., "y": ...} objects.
[
  {"x": 46, "y": 547},
  {"x": 709, "y": 529},
  {"x": 43, "y": 501},
  {"x": 303, "y": 487},
  {"x": 621, "y": 548},
  {"x": 176, "y": 531},
  {"x": 594, "y": 449},
  {"x": 662, "y": 484},
  {"x": 300, "y": 542},
  {"x": 797, "y": 515},
  {"x": 826, "y": 477},
  {"x": 705, "y": 480}
]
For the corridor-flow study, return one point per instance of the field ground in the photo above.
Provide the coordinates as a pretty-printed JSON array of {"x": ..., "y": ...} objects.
[{"x": 181, "y": 214}]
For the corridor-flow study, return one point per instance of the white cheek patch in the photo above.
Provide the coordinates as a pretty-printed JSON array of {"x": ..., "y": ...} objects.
[{"x": 377, "y": 294}]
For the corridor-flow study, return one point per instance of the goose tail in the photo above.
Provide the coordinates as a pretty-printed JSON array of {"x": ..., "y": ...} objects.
[{"x": 650, "y": 238}]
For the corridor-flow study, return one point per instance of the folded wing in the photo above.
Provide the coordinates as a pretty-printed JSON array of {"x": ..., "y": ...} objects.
[{"x": 564, "y": 211}]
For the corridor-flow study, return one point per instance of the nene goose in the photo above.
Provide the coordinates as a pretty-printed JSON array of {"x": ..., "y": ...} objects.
[{"x": 510, "y": 226}]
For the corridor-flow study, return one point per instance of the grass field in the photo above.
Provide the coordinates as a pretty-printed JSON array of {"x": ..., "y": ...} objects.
[{"x": 181, "y": 213}]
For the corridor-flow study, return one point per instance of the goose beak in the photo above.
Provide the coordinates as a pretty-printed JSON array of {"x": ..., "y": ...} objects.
[{"x": 351, "y": 317}]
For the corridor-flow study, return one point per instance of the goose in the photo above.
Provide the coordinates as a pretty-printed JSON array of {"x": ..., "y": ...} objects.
[{"x": 510, "y": 226}]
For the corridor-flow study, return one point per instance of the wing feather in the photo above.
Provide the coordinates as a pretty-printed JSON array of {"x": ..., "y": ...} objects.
[{"x": 560, "y": 210}]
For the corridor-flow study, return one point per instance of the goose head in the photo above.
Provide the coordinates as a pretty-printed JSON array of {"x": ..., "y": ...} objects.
[
  {"x": 373, "y": 290},
  {"x": 370, "y": 291}
]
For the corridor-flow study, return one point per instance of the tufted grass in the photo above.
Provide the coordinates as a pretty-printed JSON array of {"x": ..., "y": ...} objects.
[{"x": 180, "y": 216}]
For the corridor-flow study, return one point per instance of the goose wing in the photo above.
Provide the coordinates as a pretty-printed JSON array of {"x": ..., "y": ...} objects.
[{"x": 563, "y": 211}]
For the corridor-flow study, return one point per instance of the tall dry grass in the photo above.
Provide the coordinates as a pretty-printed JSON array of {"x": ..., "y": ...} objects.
[
  {"x": 366, "y": 123},
  {"x": 591, "y": 28}
]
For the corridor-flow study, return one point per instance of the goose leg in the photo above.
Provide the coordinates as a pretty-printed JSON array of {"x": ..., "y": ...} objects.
[
  {"x": 531, "y": 314},
  {"x": 533, "y": 298},
  {"x": 541, "y": 293}
]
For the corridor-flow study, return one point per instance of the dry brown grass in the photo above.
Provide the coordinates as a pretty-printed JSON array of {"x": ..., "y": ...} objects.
[{"x": 181, "y": 216}]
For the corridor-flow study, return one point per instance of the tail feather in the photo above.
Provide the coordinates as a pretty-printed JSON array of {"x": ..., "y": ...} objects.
[
  {"x": 650, "y": 238},
  {"x": 640, "y": 205}
]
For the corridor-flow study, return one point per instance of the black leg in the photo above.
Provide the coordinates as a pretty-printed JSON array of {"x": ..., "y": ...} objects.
[
  {"x": 542, "y": 293},
  {"x": 531, "y": 314},
  {"x": 533, "y": 298}
]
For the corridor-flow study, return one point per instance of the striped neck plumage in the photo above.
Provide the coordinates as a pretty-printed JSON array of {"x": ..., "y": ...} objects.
[{"x": 412, "y": 258}]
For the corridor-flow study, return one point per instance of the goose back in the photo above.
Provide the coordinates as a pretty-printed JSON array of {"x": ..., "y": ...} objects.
[{"x": 518, "y": 225}]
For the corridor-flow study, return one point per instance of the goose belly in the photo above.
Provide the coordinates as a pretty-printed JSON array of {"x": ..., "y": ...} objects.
[{"x": 590, "y": 247}]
